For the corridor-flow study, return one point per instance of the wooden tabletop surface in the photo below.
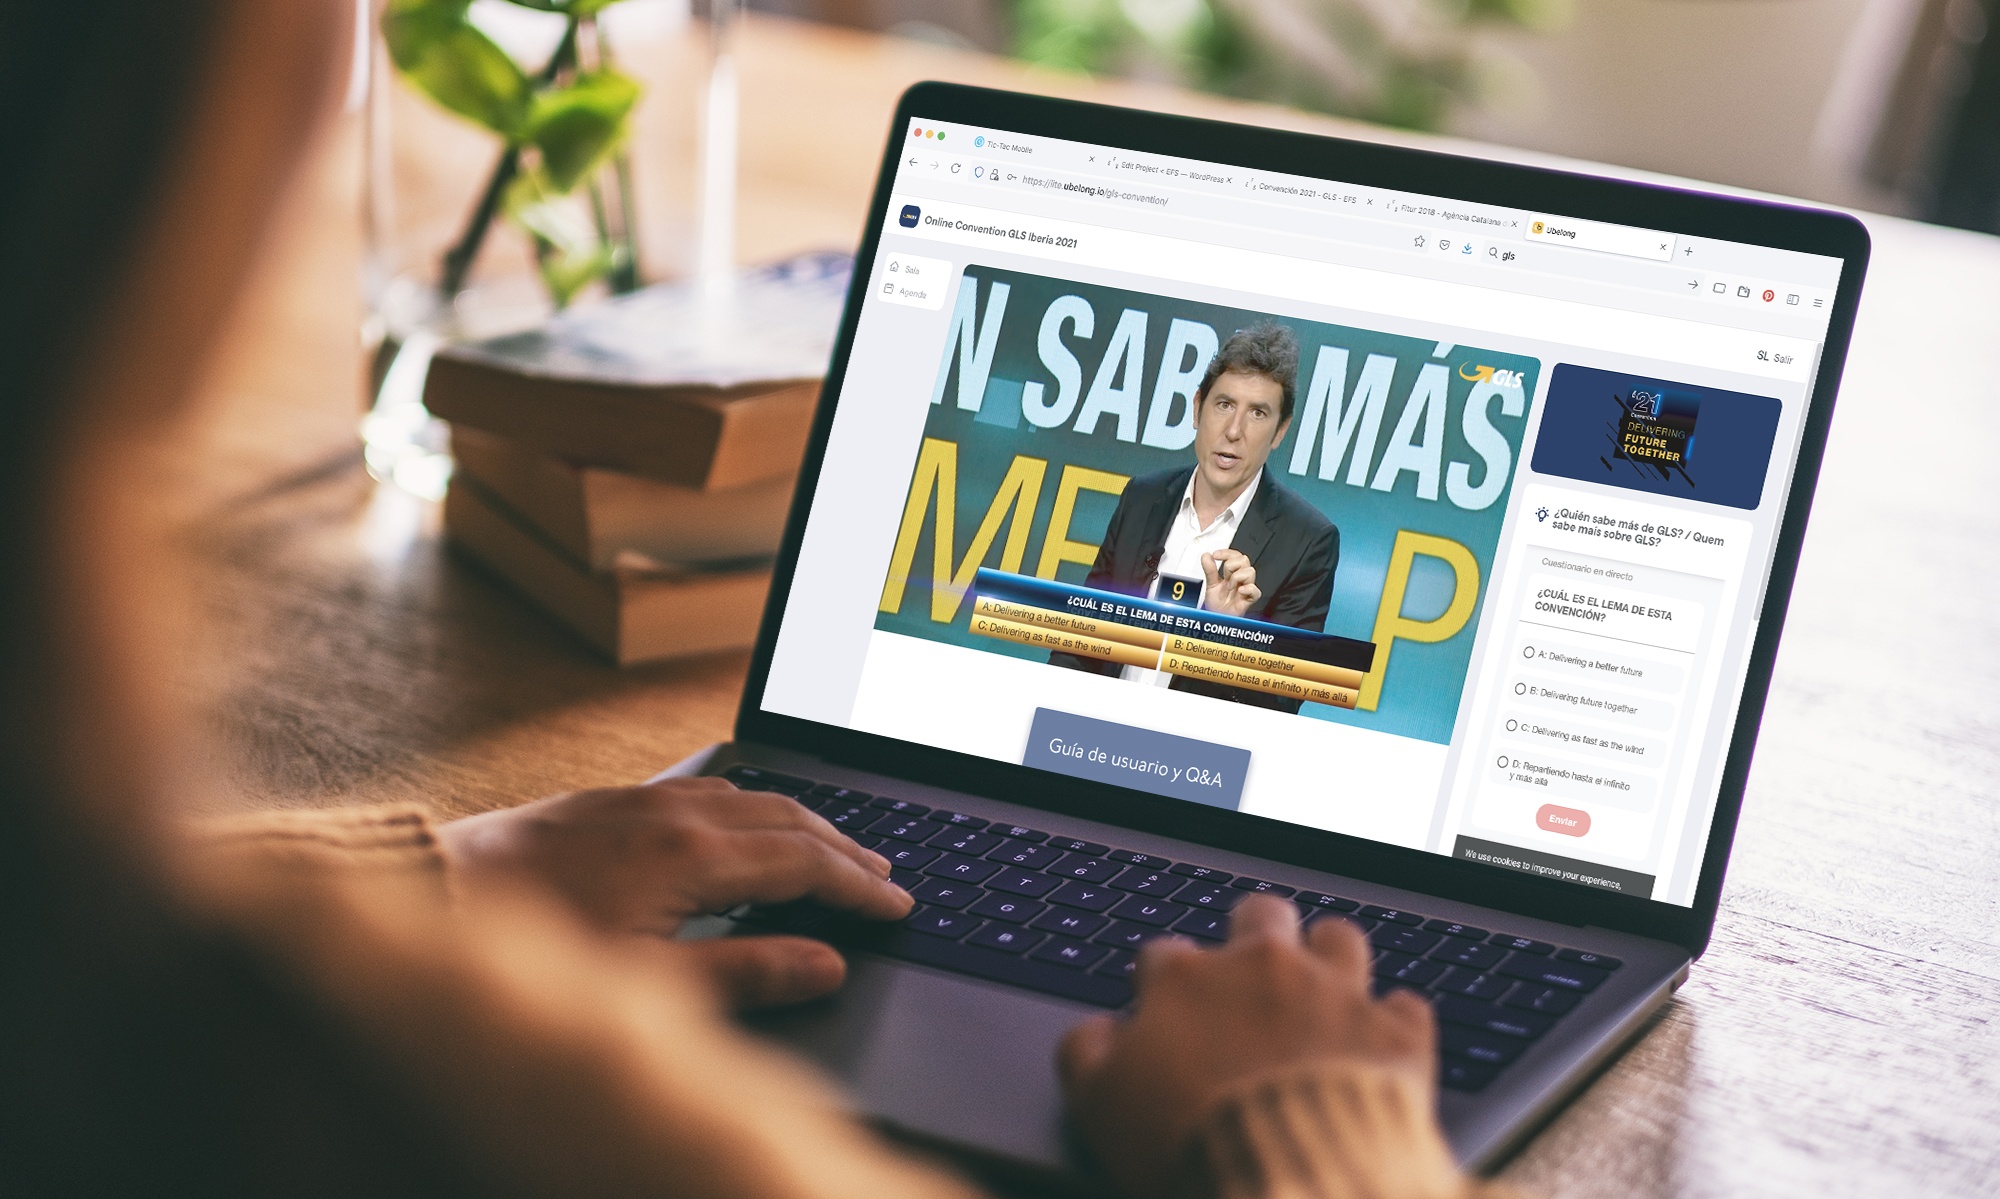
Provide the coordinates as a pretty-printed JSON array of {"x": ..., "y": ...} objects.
[{"x": 1841, "y": 1036}]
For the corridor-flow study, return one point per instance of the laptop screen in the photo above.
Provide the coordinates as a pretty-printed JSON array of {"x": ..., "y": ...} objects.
[{"x": 1430, "y": 522}]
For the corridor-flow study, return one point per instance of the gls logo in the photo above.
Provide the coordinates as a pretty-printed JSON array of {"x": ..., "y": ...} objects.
[
  {"x": 908, "y": 217},
  {"x": 1487, "y": 374}
]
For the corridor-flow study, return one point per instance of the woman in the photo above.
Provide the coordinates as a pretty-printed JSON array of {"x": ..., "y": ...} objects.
[{"x": 359, "y": 1003}]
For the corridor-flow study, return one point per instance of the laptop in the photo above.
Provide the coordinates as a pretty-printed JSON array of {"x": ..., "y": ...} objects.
[{"x": 1195, "y": 511}]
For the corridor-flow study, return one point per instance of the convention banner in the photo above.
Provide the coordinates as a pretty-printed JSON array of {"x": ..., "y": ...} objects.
[{"x": 1053, "y": 395}]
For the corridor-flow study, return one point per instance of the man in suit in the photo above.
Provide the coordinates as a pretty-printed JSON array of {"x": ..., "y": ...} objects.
[{"x": 1261, "y": 551}]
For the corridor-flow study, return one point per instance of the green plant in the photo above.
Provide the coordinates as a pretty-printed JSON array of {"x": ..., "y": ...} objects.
[
  {"x": 1398, "y": 62},
  {"x": 562, "y": 129}
]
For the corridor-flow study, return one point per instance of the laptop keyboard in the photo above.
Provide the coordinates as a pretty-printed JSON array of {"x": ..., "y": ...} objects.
[{"x": 1065, "y": 916}]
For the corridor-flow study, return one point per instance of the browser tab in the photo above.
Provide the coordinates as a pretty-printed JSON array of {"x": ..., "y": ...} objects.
[{"x": 1605, "y": 239}]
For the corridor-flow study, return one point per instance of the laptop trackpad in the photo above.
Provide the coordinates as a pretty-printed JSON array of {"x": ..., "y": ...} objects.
[{"x": 942, "y": 1056}]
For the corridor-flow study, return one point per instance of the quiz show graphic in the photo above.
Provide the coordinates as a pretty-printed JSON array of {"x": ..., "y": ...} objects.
[
  {"x": 1652, "y": 435},
  {"x": 1053, "y": 396}
]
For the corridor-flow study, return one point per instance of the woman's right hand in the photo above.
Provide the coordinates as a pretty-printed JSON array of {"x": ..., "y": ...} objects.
[{"x": 1209, "y": 1020}]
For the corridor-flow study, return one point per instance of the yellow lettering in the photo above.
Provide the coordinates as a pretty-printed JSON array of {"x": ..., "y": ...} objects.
[
  {"x": 937, "y": 473},
  {"x": 1390, "y": 623},
  {"x": 1057, "y": 548}
]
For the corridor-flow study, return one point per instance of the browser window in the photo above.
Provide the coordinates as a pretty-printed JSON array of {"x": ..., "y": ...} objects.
[{"x": 1431, "y": 522}]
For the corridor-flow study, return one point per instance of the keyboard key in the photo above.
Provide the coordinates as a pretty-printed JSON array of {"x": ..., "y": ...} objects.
[
  {"x": 1402, "y": 968},
  {"x": 1391, "y": 915},
  {"x": 1582, "y": 958},
  {"x": 1262, "y": 887},
  {"x": 902, "y": 807},
  {"x": 1007, "y": 938},
  {"x": 1522, "y": 944},
  {"x": 1210, "y": 926},
  {"x": 898, "y": 827},
  {"x": 1468, "y": 953},
  {"x": 938, "y": 922},
  {"x": 1146, "y": 881},
  {"x": 1134, "y": 858},
  {"x": 1122, "y": 963},
  {"x": 1201, "y": 874},
  {"x": 1332, "y": 903},
  {"x": 1022, "y": 882},
  {"x": 1457, "y": 1074},
  {"x": 909, "y": 857},
  {"x": 1456, "y": 930},
  {"x": 1360, "y": 923},
  {"x": 1156, "y": 912},
  {"x": 1483, "y": 1047},
  {"x": 1089, "y": 849},
  {"x": 865, "y": 840},
  {"x": 1023, "y": 853},
  {"x": 840, "y": 795},
  {"x": 743, "y": 776},
  {"x": 1123, "y": 934},
  {"x": 1208, "y": 895},
  {"x": 1087, "y": 868},
  {"x": 853, "y": 816},
  {"x": 1011, "y": 908},
  {"x": 1491, "y": 1017},
  {"x": 957, "y": 819},
  {"x": 1017, "y": 832},
  {"x": 1068, "y": 922},
  {"x": 1088, "y": 896},
  {"x": 1552, "y": 1000},
  {"x": 1077, "y": 955},
  {"x": 1461, "y": 981},
  {"x": 905, "y": 879},
  {"x": 1541, "y": 970},
  {"x": 1403, "y": 940},
  {"x": 942, "y": 894},
  {"x": 965, "y": 870},
  {"x": 970, "y": 842}
]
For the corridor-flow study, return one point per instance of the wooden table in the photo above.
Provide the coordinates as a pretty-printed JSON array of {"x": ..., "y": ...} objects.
[{"x": 1841, "y": 1036}]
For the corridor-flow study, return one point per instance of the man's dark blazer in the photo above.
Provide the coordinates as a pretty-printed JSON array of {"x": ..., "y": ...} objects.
[{"x": 1294, "y": 547}]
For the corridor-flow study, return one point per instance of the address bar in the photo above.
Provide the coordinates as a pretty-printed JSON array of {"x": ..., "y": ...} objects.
[{"x": 1461, "y": 305}]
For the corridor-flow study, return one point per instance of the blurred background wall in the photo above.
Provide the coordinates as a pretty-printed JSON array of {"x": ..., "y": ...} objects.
[{"x": 1891, "y": 105}]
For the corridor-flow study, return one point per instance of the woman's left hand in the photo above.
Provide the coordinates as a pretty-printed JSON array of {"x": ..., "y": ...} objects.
[{"x": 643, "y": 859}]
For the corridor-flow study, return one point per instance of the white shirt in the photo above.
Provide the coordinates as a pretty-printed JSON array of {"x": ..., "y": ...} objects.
[{"x": 1187, "y": 541}]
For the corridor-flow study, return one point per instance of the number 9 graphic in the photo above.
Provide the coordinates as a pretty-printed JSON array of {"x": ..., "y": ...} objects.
[{"x": 1180, "y": 589}]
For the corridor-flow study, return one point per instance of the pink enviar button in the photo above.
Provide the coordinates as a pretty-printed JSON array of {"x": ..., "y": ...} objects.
[{"x": 1567, "y": 821}]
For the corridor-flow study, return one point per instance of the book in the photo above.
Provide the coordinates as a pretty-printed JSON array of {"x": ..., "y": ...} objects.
[
  {"x": 697, "y": 389},
  {"x": 630, "y": 616},
  {"x": 604, "y": 518}
]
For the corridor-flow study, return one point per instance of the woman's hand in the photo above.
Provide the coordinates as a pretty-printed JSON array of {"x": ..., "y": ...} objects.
[
  {"x": 1207, "y": 1020},
  {"x": 644, "y": 859}
]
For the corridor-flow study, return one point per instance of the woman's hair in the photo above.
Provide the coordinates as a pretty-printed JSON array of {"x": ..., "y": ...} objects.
[
  {"x": 98, "y": 95},
  {"x": 143, "y": 1051}
]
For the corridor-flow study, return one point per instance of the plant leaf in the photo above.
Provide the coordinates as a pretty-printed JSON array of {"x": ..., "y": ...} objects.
[
  {"x": 568, "y": 251},
  {"x": 574, "y": 127},
  {"x": 453, "y": 63}
]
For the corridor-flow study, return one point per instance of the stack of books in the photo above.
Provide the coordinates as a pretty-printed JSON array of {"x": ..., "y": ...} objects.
[{"x": 628, "y": 469}]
